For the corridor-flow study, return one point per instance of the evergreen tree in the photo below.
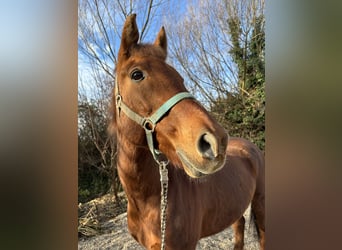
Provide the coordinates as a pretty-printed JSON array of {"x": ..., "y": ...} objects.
[
  {"x": 244, "y": 111},
  {"x": 249, "y": 57}
]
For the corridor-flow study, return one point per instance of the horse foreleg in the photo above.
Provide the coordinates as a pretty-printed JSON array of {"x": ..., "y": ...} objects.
[{"x": 239, "y": 227}]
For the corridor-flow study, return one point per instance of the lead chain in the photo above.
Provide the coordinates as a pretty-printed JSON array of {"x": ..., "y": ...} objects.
[{"x": 163, "y": 203}]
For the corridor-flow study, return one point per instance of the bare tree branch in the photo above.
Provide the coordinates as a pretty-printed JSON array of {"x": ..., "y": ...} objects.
[{"x": 149, "y": 8}]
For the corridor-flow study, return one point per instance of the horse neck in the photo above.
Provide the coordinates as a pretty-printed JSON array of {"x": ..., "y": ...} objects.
[{"x": 137, "y": 169}]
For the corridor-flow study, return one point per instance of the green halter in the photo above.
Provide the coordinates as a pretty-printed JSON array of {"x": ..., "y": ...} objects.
[{"x": 149, "y": 123}]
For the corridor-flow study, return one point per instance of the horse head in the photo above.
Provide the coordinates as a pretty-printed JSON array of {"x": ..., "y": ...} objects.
[{"x": 187, "y": 135}]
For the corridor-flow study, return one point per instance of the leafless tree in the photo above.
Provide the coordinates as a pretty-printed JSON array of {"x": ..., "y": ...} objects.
[
  {"x": 99, "y": 29},
  {"x": 200, "y": 44}
]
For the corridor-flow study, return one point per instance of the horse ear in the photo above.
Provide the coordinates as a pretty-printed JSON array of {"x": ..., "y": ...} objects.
[
  {"x": 161, "y": 40},
  {"x": 130, "y": 35}
]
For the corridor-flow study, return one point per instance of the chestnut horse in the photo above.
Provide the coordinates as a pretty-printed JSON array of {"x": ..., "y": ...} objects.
[{"x": 212, "y": 180}]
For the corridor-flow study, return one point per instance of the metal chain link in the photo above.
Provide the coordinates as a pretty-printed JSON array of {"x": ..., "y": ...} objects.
[{"x": 163, "y": 203}]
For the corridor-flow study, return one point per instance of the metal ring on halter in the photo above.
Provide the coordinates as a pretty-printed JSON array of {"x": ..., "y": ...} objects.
[{"x": 148, "y": 125}]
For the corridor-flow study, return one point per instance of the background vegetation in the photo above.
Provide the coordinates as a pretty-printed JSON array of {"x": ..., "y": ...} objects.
[{"x": 217, "y": 46}]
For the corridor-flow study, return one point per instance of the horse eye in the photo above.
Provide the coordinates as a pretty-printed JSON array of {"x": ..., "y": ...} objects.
[{"x": 137, "y": 75}]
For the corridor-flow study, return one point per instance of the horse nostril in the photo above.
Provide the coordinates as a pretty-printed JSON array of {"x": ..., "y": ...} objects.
[{"x": 207, "y": 146}]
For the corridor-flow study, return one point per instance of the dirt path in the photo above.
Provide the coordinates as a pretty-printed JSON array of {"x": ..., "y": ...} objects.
[{"x": 117, "y": 237}]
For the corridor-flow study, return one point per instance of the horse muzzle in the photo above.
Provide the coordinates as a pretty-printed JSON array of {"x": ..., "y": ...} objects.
[{"x": 208, "y": 157}]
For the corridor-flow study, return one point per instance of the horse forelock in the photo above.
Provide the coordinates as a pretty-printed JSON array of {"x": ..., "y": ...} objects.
[{"x": 148, "y": 50}]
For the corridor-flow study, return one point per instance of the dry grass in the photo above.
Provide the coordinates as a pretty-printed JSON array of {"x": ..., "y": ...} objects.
[{"x": 92, "y": 215}]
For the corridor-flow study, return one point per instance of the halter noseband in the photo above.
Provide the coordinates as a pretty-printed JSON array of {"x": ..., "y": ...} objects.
[{"x": 149, "y": 123}]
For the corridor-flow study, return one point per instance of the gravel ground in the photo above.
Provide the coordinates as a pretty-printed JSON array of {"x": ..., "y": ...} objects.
[{"x": 117, "y": 237}]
